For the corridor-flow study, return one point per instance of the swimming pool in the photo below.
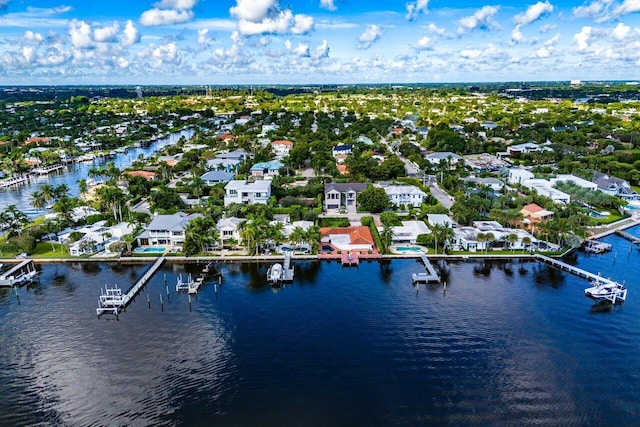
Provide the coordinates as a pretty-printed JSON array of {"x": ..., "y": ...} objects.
[
  {"x": 414, "y": 249},
  {"x": 154, "y": 250},
  {"x": 632, "y": 207}
]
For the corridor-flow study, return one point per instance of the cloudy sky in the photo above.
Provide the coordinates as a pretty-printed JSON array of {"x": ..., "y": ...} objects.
[{"x": 316, "y": 41}]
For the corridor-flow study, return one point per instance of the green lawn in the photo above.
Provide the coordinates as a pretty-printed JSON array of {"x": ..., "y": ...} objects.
[{"x": 615, "y": 216}]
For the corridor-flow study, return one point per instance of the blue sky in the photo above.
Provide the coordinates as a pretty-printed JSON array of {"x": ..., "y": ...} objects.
[{"x": 316, "y": 41}]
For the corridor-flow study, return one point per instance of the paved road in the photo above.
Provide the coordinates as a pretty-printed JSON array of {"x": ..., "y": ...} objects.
[{"x": 442, "y": 196}]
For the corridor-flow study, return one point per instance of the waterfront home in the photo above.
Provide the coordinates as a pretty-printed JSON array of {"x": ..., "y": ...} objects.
[
  {"x": 409, "y": 231},
  {"x": 354, "y": 238},
  {"x": 580, "y": 182},
  {"x": 474, "y": 238},
  {"x": 95, "y": 238},
  {"x": 171, "y": 161},
  {"x": 149, "y": 176},
  {"x": 526, "y": 148},
  {"x": 78, "y": 213},
  {"x": 545, "y": 188},
  {"x": 519, "y": 175},
  {"x": 227, "y": 161},
  {"x": 229, "y": 229},
  {"x": 533, "y": 214},
  {"x": 166, "y": 230},
  {"x": 449, "y": 158},
  {"x": 405, "y": 195},
  {"x": 337, "y": 195},
  {"x": 216, "y": 176},
  {"x": 248, "y": 193},
  {"x": 266, "y": 169},
  {"x": 440, "y": 219},
  {"x": 614, "y": 186}
]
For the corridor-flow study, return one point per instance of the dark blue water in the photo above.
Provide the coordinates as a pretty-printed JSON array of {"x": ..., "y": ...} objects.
[
  {"x": 507, "y": 344},
  {"x": 21, "y": 195}
]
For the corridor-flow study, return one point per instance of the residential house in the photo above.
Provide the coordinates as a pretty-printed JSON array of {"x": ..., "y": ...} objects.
[
  {"x": 446, "y": 156},
  {"x": 409, "y": 231},
  {"x": 248, "y": 193},
  {"x": 527, "y": 147},
  {"x": 518, "y": 176},
  {"x": 149, "y": 176},
  {"x": 466, "y": 238},
  {"x": 580, "y": 182},
  {"x": 338, "y": 196},
  {"x": 440, "y": 219},
  {"x": 96, "y": 237},
  {"x": 405, "y": 195},
  {"x": 170, "y": 160},
  {"x": 494, "y": 183},
  {"x": 216, "y": 176},
  {"x": 489, "y": 125},
  {"x": 266, "y": 169},
  {"x": 166, "y": 230},
  {"x": 614, "y": 186},
  {"x": 355, "y": 238},
  {"x": 282, "y": 148},
  {"x": 544, "y": 188},
  {"x": 229, "y": 228},
  {"x": 342, "y": 149},
  {"x": 532, "y": 214}
]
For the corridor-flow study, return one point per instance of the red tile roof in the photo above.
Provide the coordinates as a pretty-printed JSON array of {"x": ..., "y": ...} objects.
[
  {"x": 532, "y": 208},
  {"x": 358, "y": 234},
  {"x": 145, "y": 174},
  {"x": 283, "y": 142}
]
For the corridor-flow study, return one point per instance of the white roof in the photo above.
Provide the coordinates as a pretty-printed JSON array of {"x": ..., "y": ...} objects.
[
  {"x": 403, "y": 189},
  {"x": 440, "y": 219},
  {"x": 259, "y": 185}
]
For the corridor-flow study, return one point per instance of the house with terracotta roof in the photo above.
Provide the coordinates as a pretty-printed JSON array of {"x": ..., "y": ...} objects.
[
  {"x": 37, "y": 140},
  {"x": 149, "y": 176},
  {"x": 354, "y": 238},
  {"x": 533, "y": 214},
  {"x": 282, "y": 148}
]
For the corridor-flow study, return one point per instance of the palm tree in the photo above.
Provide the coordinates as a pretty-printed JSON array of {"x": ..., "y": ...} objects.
[
  {"x": 313, "y": 237},
  {"x": 297, "y": 236},
  {"x": 83, "y": 187},
  {"x": 526, "y": 241},
  {"x": 37, "y": 200},
  {"x": 386, "y": 237},
  {"x": 14, "y": 220},
  {"x": 47, "y": 192},
  {"x": 490, "y": 239},
  {"x": 512, "y": 238},
  {"x": 481, "y": 238},
  {"x": 197, "y": 187},
  {"x": 61, "y": 190}
]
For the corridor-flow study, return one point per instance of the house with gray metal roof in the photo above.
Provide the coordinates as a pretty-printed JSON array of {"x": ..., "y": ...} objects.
[
  {"x": 166, "y": 230},
  {"x": 338, "y": 195}
]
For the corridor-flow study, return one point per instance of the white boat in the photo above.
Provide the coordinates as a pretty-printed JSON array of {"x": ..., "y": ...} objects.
[
  {"x": 275, "y": 273},
  {"x": 606, "y": 290}
]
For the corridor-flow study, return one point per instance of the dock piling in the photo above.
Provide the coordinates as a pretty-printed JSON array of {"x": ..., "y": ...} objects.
[
  {"x": 148, "y": 300},
  {"x": 161, "y": 303}
]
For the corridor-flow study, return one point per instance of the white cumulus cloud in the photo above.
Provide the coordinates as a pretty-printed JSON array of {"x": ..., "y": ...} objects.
[
  {"x": 155, "y": 17},
  {"x": 203, "y": 37},
  {"x": 533, "y": 13},
  {"x": 257, "y": 17},
  {"x": 106, "y": 34},
  {"x": 415, "y": 7},
  {"x": 80, "y": 34},
  {"x": 582, "y": 38},
  {"x": 483, "y": 19},
  {"x": 424, "y": 43},
  {"x": 130, "y": 34},
  {"x": 621, "y": 31},
  {"x": 32, "y": 38},
  {"x": 369, "y": 36},
  {"x": 302, "y": 50},
  {"x": 321, "y": 51},
  {"x": 328, "y": 4}
]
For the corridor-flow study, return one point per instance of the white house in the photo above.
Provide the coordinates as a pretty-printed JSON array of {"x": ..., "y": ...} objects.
[
  {"x": 282, "y": 148},
  {"x": 229, "y": 229},
  {"x": 440, "y": 219},
  {"x": 580, "y": 182},
  {"x": 166, "y": 230},
  {"x": 247, "y": 193},
  {"x": 494, "y": 183},
  {"x": 409, "y": 231},
  {"x": 96, "y": 238},
  {"x": 405, "y": 195},
  {"x": 545, "y": 188},
  {"x": 436, "y": 158},
  {"x": 518, "y": 176}
]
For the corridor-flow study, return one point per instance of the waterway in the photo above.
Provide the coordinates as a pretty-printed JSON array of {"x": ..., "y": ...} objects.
[
  {"x": 507, "y": 343},
  {"x": 21, "y": 195}
]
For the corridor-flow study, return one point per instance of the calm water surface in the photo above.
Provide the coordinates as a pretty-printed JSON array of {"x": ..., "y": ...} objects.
[
  {"x": 21, "y": 195},
  {"x": 507, "y": 344}
]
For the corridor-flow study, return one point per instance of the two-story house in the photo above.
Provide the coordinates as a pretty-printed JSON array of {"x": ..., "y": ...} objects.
[
  {"x": 247, "y": 193},
  {"x": 229, "y": 228},
  {"x": 166, "y": 230},
  {"x": 405, "y": 195},
  {"x": 614, "y": 186},
  {"x": 266, "y": 169},
  {"x": 338, "y": 196}
]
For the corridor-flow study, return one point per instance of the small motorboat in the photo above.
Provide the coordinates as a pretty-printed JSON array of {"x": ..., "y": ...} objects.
[{"x": 275, "y": 273}]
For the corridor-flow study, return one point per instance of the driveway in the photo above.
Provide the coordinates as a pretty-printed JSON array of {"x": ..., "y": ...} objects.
[{"x": 442, "y": 196}]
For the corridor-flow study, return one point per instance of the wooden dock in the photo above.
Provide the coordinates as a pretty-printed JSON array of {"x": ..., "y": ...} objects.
[
  {"x": 287, "y": 269},
  {"x": 431, "y": 275},
  {"x": 630, "y": 237},
  {"x": 583, "y": 274},
  {"x": 350, "y": 259},
  {"x": 119, "y": 303}
]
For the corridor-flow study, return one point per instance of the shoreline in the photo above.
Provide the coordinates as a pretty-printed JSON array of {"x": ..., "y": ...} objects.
[{"x": 258, "y": 259}]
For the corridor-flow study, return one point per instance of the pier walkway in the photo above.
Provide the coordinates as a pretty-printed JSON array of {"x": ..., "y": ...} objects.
[
  {"x": 45, "y": 170},
  {"x": 633, "y": 239},
  {"x": 574, "y": 270},
  {"x": 350, "y": 259},
  {"x": 114, "y": 302},
  {"x": 431, "y": 276}
]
